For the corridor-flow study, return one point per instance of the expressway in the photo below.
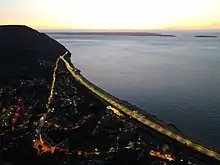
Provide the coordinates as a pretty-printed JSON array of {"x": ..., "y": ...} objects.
[{"x": 141, "y": 118}]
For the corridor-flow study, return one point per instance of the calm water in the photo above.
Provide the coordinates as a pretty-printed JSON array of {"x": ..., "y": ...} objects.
[{"x": 176, "y": 79}]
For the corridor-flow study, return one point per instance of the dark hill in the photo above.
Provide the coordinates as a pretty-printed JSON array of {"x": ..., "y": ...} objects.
[{"x": 22, "y": 49}]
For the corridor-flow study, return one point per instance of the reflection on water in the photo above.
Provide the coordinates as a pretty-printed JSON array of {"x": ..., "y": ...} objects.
[{"x": 177, "y": 79}]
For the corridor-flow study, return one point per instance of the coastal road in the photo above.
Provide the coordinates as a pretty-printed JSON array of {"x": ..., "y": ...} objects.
[
  {"x": 143, "y": 119},
  {"x": 44, "y": 116}
]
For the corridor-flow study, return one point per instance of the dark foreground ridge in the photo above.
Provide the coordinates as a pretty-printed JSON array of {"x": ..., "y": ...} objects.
[
  {"x": 48, "y": 117},
  {"x": 22, "y": 47},
  {"x": 114, "y": 34}
]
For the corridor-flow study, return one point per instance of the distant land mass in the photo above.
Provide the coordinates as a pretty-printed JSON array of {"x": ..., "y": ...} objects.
[
  {"x": 114, "y": 33},
  {"x": 206, "y": 36}
]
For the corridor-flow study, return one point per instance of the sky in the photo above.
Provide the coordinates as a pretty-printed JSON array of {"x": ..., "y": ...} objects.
[{"x": 112, "y": 14}]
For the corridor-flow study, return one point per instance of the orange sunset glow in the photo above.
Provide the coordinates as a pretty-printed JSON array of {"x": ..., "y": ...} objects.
[{"x": 112, "y": 14}]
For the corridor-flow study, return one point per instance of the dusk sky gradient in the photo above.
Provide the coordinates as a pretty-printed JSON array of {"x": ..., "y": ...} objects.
[{"x": 112, "y": 14}]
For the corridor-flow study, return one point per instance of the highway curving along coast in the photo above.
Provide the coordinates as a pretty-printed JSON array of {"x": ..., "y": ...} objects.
[{"x": 116, "y": 103}]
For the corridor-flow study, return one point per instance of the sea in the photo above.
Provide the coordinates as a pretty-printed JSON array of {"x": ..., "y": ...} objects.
[{"x": 175, "y": 78}]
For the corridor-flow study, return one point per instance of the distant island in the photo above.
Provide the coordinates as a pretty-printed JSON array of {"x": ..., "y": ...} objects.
[
  {"x": 114, "y": 33},
  {"x": 206, "y": 36}
]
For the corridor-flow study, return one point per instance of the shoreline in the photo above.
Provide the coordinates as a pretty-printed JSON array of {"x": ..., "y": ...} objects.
[{"x": 181, "y": 138}]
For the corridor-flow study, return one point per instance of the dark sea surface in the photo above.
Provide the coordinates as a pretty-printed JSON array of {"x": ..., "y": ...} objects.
[{"x": 176, "y": 79}]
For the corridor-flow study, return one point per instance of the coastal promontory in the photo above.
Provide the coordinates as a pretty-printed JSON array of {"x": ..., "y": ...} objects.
[{"x": 23, "y": 49}]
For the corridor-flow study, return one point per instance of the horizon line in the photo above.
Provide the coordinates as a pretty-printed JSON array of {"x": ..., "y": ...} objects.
[
  {"x": 125, "y": 30},
  {"x": 119, "y": 29}
]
